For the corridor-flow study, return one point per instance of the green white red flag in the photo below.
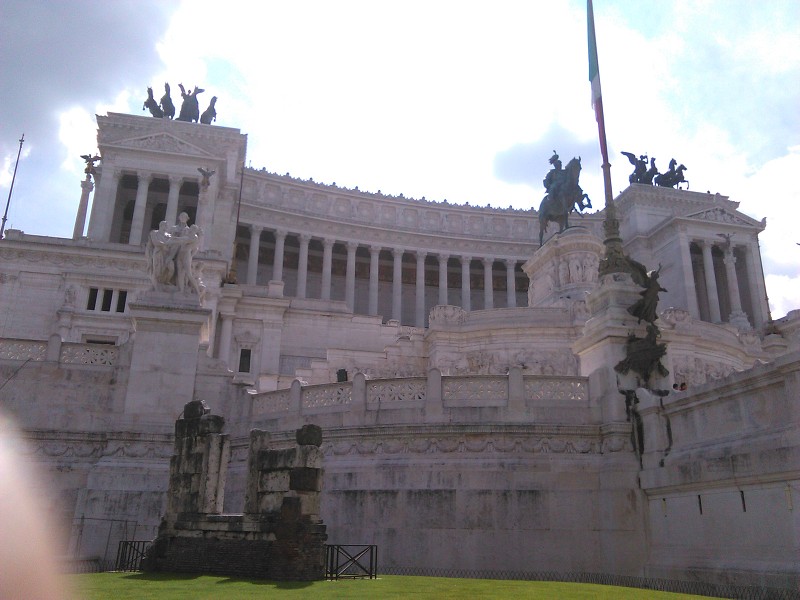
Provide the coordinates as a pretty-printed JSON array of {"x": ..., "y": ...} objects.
[{"x": 594, "y": 77}]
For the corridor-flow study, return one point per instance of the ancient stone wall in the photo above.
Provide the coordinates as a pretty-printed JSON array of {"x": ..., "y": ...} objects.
[{"x": 280, "y": 535}]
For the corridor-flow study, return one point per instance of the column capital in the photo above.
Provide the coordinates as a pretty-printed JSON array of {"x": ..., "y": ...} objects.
[
  {"x": 487, "y": 260},
  {"x": 328, "y": 242},
  {"x": 175, "y": 179},
  {"x": 280, "y": 233},
  {"x": 375, "y": 249},
  {"x": 144, "y": 176},
  {"x": 466, "y": 259},
  {"x": 511, "y": 262},
  {"x": 352, "y": 246},
  {"x": 420, "y": 254},
  {"x": 304, "y": 238},
  {"x": 255, "y": 229},
  {"x": 444, "y": 257},
  {"x": 398, "y": 252}
]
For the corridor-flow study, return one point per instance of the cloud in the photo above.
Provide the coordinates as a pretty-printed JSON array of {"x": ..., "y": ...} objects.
[{"x": 60, "y": 57}]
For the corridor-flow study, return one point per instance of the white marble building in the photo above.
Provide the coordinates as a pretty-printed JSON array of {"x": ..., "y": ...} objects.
[{"x": 462, "y": 375}]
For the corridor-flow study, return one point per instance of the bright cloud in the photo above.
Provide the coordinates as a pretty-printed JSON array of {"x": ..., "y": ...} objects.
[{"x": 457, "y": 100}]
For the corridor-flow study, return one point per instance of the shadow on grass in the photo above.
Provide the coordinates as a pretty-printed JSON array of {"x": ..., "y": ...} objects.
[
  {"x": 163, "y": 576},
  {"x": 281, "y": 585}
]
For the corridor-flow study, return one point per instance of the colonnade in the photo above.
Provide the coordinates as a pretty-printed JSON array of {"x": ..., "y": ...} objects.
[
  {"x": 397, "y": 254},
  {"x": 105, "y": 215},
  {"x": 718, "y": 269}
]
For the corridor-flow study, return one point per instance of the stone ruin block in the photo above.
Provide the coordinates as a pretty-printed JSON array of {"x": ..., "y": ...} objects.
[
  {"x": 199, "y": 466},
  {"x": 280, "y": 535}
]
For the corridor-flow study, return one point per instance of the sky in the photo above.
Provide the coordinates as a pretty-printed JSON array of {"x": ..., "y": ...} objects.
[{"x": 460, "y": 100}]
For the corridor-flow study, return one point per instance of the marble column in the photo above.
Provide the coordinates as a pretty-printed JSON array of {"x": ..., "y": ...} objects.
[
  {"x": 374, "y": 258},
  {"x": 137, "y": 224},
  {"x": 711, "y": 283},
  {"x": 252, "y": 256},
  {"x": 511, "y": 283},
  {"x": 302, "y": 266},
  {"x": 350, "y": 276},
  {"x": 277, "y": 263},
  {"x": 327, "y": 264},
  {"x": 488, "y": 283},
  {"x": 80, "y": 220},
  {"x": 420, "y": 304},
  {"x": 688, "y": 275},
  {"x": 175, "y": 183},
  {"x": 733, "y": 281},
  {"x": 225, "y": 337},
  {"x": 758, "y": 295},
  {"x": 443, "y": 258},
  {"x": 466, "y": 301},
  {"x": 105, "y": 201},
  {"x": 397, "y": 283}
]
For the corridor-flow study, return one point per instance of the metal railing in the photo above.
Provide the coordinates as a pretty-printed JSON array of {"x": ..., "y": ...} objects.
[
  {"x": 351, "y": 561},
  {"x": 130, "y": 555}
]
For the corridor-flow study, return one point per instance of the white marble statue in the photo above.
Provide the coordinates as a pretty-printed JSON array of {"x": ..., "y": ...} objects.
[{"x": 169, "y": 253}]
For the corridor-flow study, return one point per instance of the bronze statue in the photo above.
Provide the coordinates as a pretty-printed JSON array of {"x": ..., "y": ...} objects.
[
  {"x": 673, "y": 177},
  {"x": 190, "y": 110},
  {"x": 166, "y": 103},
  {"x": 152, "y": 105},
  {"x": 210, "y": 114},
  {"x": 90, "y": 168},
  {"x": 643, "y": 356},
  {"x": 639, "y": 167},
  {"x": 644, "y": 309},
  {"x": 206, "y": 173},
  {"x": 563, "y": 195},
  {"x": 647, "y": 178}
]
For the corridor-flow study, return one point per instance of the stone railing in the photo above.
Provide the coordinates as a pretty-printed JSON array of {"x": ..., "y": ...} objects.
[
  {"x": 518, "y": 398},
  {"x": 89, "y": 354},
  {"x": 56, "y": 351},
  {"x": 22, "y": 350}
]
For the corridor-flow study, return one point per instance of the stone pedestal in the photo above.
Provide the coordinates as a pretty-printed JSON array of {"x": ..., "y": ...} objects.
[
  {"x": 164, "y": 355},
  {"x": 604, "y": 338},
  {"x": 564, "y": 270}
]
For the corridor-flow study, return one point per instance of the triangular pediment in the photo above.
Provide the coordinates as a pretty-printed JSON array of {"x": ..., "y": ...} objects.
[
  {"x": 717, "y": 214},
  {"x": 161, "y": 142}
]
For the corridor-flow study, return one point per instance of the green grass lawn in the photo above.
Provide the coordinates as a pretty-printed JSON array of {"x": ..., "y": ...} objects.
[{"x": 140, "y": 586}]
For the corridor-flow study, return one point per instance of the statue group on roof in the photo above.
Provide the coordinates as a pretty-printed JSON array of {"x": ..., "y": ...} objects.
[
  {"x": 650, "y": 176},
  {"x": 190, "y": 108}
]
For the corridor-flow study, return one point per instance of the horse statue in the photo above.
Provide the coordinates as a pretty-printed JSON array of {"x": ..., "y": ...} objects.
[
  {"x": 166, "y": 103},
  {"x": 209, "y": 114},
  {"x": 190, "y": 111},
  {"x": 673, "y": 177},
  {"x": 152, "y": 105},
  {"x": 564, "y": 195}
]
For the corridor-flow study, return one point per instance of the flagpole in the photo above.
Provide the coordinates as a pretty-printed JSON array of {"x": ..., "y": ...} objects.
[
  {"x": 11, "y": 189},
  {"x": 614, "y": 260}
]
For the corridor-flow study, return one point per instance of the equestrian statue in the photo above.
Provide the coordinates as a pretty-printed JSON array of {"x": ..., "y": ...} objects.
[
  {"x": 641, "y": 174},
  {"x": 563, "y": 196}
]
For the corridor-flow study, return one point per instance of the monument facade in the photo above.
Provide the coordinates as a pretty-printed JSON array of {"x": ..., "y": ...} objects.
[{"x": 463, "y": 374}]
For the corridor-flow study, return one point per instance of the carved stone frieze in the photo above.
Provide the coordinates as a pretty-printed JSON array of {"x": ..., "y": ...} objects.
[
  {"x": 455, "y": 389},
  {"x": 697, "y": 371},
  {"x": 490, "y": 445},
  {"x": 163, "y": 142},
  {"x": 447, "y": 315}
]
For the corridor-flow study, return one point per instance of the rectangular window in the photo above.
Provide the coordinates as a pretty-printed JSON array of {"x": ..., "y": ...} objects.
[
  {"x": 107, "y": 294},
  {"x": 121, "y": 299},
  {"x": 90, "y": 305},
  {"x": 244, "y": 360}
]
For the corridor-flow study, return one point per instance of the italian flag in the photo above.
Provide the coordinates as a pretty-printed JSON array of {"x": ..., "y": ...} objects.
[{"x": 594, "y": 77}]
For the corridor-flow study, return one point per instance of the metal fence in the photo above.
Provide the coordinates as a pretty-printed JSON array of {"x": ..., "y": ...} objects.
[
  {"x": 717, "y": 590},
  {"x": 351, "y": 561},
  {"x": 130, "y": 555}
]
